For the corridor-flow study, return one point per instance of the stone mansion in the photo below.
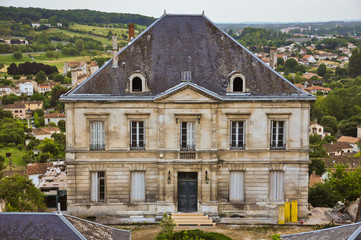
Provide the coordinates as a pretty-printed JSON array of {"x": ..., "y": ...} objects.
[{"x": 185, "y": 119}]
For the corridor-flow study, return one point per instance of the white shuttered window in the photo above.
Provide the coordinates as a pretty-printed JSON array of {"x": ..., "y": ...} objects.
[
  {"x": 137, "y": 193},
  {"x": 97, "y": 135},
  {"x": 187, "y": 136},
  {"x": 236, "y": 186},
  {"x": 276, "y": 185}
]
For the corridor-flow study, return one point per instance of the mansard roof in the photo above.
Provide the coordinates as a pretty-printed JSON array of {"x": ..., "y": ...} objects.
[{"x": 176, "y": 43}]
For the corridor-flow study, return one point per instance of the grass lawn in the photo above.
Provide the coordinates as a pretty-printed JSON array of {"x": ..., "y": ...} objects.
[
  {"x": 16, "y": 156},
  {"x": 41, "y": 58}
]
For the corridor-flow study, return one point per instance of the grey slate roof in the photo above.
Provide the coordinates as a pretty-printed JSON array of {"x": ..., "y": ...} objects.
[
  {"x": 19, "y": 226},
  {"x": 176, "y": 43},
  {"x": 345, "y": 232}
]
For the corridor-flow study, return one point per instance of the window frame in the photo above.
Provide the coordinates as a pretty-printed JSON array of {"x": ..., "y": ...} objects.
[
  {"x": 91, "y": 117},
  {"x": 97, "y": 198},
  {"x": 137, "y": 134},
  {"x": 100, "y": 141},
  {"x": 190, "y": 131},
  {"x": 285, "y": 117},
  {"x": 277, "y": 135},
  {"x": 237, "y": 134}
]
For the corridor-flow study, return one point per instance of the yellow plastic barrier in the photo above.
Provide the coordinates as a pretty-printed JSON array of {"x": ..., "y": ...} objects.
[
  {"x": 294, "y": 212},
  {"x": 281, "y": 215},
  {"x": 287, "y": 212}
]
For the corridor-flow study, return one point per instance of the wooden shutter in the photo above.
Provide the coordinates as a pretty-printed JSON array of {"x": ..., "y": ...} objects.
[
  {"x": 93, "y": 134},
  {"x": 190, "y": 134},
  {"x": 101, "y": 135},
  {"x": 236, "y": 186},
  {"x": 276, "y": 186},
  {"x": 137, "y": 186},
  {"x": 94, "y": 186}
]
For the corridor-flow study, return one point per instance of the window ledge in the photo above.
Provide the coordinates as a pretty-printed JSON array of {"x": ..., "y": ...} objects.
[
  {"x": 238, "y": 93},
  {"x": 237, "y": 149}
]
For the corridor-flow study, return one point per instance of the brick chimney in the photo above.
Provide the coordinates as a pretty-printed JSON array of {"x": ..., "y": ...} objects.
[
  {"x": 131, "y": 31},
  {"x": 74, "y": 77},
  {"x": 273, "y": 57},
  {"x": 115, "y": 52}
]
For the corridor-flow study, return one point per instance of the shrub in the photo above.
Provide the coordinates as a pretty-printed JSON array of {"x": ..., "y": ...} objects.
[
  {"x": 17, "y": 55},
  {"x": 20, "y": 147},
  {"x": 17, "y": 77},
  {"x": 43, "y": 157},
  {"x": 321, "y": 195},
  {"x": 11, "y": 145}
]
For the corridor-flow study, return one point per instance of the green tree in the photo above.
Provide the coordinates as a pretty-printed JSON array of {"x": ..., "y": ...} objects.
[
  {"x": 291, "y": 64},
  {"x": 79, "y": 45},
  {"x": 321, "y": 70},
  {"x": 167, "y": 227},
  {"x": 12, "y": 131},
  {"x": 322, "y": 195},
  {"x": 40, "y": 77},
  {"x": 21, "y": 195},
  {"x": 2, "y": 165},
  {"x": 316, "y": 165},
  {"x": 5, "y": 114},
  {"x": 330, "y": 123},
  {"x": 10, "y": 99},
  {"x": 61, "y": 125},
  {"x": 37, "y": 97},
  {"x": 280, "y": 61},
  {"x": 354, "y": 66},
  {"x": 17, "y": 55},
  {"x": 53, "y": 20}
]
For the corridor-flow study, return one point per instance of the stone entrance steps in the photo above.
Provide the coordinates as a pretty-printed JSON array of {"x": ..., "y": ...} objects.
[{"x": 192, "y": 219}]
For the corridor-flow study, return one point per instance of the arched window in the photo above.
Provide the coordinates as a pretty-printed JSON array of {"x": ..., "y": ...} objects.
[
  {"x": 238, "y": 84},
  {"x": 137, "y": 85}
]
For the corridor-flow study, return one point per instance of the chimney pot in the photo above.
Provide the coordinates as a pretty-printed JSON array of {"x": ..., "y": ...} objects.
[
  {"x": 131, "y": 31},
  {"x": 74, "y": 77}
]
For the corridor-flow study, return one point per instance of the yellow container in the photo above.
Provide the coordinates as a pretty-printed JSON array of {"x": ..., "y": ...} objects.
[
  {"x": 281, "y": 215},
  {"x": 294, "y": 212},
  {"x": 287, "y": 212}
]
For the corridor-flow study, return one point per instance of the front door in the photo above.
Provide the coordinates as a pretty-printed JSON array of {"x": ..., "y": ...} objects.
[{"x": 187, "y": 191}]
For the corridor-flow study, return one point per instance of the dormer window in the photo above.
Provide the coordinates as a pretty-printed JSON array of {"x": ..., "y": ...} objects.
[
  {"x": 137, "y": 83},
  {"x": 237, "y": 83}
]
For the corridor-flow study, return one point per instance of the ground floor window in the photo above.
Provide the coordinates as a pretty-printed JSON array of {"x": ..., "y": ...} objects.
[
  {"x": 236, "y": 186},
  {"x": 97, "y": 186},
  {"x": 137, "y": 193},
  {"x": 276, "y": 186}
]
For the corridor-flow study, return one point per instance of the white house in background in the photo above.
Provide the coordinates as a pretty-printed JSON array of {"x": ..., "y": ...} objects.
[
  {"x": 54, "y": 117},
  {"x": 46, "y": 132},
  {"x": 26, "y": 87},
  {"x": 318, "y": 129},
  {"x": 353, "y": 141},
  {"x": 309, "y": 58},
  {"x": 6, "y": 89},
  {"x": 43, "y": 88}
]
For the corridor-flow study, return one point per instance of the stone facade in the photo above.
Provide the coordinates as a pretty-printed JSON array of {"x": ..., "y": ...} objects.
[{"x": 162, "y": 154}]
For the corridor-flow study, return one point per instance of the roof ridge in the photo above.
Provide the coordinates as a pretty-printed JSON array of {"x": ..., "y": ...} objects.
[{"x": 71, "y": 226}]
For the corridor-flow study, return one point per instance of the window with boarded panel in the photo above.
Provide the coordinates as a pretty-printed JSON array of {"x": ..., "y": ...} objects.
[
  {"x": 276, "y": 186},
  {"x": 137, "y": 193},
  {"x": 236, "y": 186},
  {"x": 97, "y": 186}
]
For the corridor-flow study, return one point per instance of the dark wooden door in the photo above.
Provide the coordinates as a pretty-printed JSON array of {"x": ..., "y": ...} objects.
[{"x": 187, "y": 192}]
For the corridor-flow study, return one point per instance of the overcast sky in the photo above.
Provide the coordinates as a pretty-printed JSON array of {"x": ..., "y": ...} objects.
[{"x": 216, "y": 10}]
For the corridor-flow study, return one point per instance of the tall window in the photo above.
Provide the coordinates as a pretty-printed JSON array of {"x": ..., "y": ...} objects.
[
  {"x": 137, "y": 192},
  {"x": 97, "y": 135},
  {"x": 278, "y": 135},
  {"x": 236, "y": 186},
  {"x": 137, "y": 84},
  {"x": 237, "y": 134},
  {"x": 97, "y": 186},
  {"x": 187, "y": 136},
  {"x": 137, "y": 135},
  {"x": 276, "y": 186},
  {"x": 238, "y": 84}
]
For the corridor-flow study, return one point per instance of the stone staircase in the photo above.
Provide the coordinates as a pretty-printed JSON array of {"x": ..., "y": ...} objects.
[{"x": 192, "y": 219}]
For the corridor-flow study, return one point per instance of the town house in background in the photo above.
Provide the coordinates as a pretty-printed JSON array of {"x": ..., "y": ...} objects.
[{"x": 185, "y": 119}]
